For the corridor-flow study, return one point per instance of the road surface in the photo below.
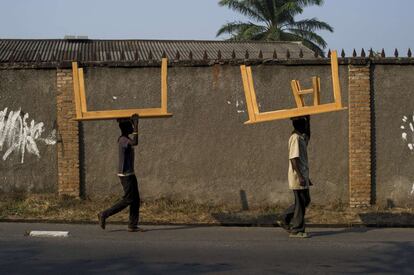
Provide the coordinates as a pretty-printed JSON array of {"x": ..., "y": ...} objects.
[{"x": 206, "y": 250}]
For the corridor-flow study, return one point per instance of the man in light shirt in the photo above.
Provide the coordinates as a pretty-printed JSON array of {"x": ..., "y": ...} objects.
[
  {"x": 126, "y": 175},
  {"x": 293, "y": 219}
]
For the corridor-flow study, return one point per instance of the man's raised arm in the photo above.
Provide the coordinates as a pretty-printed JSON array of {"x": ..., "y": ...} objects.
[{"x": 135, "y": 121}]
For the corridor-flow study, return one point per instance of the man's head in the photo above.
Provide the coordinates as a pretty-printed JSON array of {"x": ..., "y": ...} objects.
[
  {"x": 300, "y": 124},
  {"x": 126, "y": 126}
]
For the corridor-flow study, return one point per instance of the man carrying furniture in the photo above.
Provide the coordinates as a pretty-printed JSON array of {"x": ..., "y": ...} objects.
[
  {"x": 126, "y": 174},
  {"x": 293, "y": 219}
]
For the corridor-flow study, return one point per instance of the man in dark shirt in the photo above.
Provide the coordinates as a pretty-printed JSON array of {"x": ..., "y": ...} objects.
[{"x": 127, "y": 175}]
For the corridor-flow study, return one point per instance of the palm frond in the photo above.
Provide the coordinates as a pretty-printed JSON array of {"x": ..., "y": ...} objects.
[
  {"x": 245, "y": 7},
  {"x": 287, "y": 10},
  {"x": 306, "y": 3},
  {"x": 312, "y": 24},
  {"x": 241, "y": 31},
  {"x": 309, "y": 35},
  {"x": 311, "y": 45}
]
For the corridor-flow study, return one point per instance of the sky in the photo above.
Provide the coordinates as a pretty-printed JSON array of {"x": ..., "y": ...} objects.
[{"x": 357, "y": 23}]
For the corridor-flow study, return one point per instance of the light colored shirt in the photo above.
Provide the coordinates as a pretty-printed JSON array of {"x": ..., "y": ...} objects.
[{"x": 298, "y": 149}]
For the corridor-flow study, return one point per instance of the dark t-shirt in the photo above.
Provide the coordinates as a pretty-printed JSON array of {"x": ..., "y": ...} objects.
[{"x": 126, "y": 156}]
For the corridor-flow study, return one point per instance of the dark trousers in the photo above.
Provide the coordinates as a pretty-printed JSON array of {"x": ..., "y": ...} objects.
[
  {"x": 295, "y": 214},
  {"x": 130, "y": 198}
]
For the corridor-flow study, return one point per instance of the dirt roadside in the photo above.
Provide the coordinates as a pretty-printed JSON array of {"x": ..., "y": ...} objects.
[{"x": 51, "y": 208}]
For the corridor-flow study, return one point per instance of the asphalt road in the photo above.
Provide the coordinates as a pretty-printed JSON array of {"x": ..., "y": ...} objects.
[{"x": 216, "y": 250}]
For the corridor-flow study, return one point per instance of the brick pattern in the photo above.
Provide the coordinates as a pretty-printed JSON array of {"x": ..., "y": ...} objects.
[
  {"x": 68, "y": 137},
  {"x": 359, "y": 136}
]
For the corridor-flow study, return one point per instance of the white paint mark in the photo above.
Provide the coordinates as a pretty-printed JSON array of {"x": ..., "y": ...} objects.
[
  {"x": 38, "y": 233},
  {"x": 240, "y": 111},
  {"x": 408, "y": 136},
  {"x": 228, "y": 102},
  {"x": 50, "y": 139},
  {"x": 114, "y": 98},
  {"x": 237, "y": 103},
  {"x": 19, "y": 136},
  {"x": 412, "y": 190}
]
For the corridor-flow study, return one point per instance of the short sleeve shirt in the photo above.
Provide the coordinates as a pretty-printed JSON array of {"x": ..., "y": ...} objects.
[{"x": 298, "y": 149}]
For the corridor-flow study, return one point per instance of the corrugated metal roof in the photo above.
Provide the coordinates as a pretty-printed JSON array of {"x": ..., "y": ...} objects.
[{"x": 55, "y": 50}]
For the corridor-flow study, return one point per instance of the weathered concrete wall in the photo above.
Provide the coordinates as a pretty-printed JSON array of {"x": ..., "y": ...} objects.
[
  {"x": 394, "y": 111},
  {"x": 204, "y": 152},
  {"x": 31, "y": 167}
]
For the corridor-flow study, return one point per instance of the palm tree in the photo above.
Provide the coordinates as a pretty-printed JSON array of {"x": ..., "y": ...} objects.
[{"x": 274, "y": 20}]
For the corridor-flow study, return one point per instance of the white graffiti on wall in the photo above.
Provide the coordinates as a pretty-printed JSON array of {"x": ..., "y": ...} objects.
[
  {"x": 19, "y": 136},
  {"x": 240, "y": 106},
  {"x": 407, "y": 134}
]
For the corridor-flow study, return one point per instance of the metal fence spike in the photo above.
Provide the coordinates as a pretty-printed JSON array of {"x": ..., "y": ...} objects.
[
  {"x": 371, "y": 53},
  {"x": 363, "y": 54},
  {"x": 354, "y": 54},
  {"x": 301, "y": 53},
  {"x": 260, "y": 54},
  {"x": 274, "y": 54},
  {"x": 246, "y": 55},
  {"x": 233, "y": 55},
  {"x": 383, "y": 53},
  {"x": 396, "y": 53},
  {"x": 409, "y": 54},
  {"x": 288, "y": 54},
  {"x": 205, "y": 55}
]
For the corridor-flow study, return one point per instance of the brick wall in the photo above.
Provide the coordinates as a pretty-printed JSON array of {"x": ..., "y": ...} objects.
[
  {"x": 359, "y": 136},
  {"x": 68, "y": 136}
]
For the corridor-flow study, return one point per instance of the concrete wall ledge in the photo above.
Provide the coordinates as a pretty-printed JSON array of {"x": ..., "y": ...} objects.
[{"x": 209, "y": 62}]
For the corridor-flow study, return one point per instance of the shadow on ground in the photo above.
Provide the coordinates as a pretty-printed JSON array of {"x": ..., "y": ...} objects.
[
  {"x": 393, "y": 258},
  {"x": 243, "y": 218},
  {"x": 18, "y": 258},
  {"x": 341, "y": 231},
  {"x": 169, "y": 228},
  {"x": 388, "y": 219}
]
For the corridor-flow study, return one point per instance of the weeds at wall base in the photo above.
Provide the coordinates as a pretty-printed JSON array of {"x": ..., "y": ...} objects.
[{"x": 22, "y": 207}]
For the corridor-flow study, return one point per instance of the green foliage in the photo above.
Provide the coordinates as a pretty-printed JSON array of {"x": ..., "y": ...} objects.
[{"x": 274, "y": 20}]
